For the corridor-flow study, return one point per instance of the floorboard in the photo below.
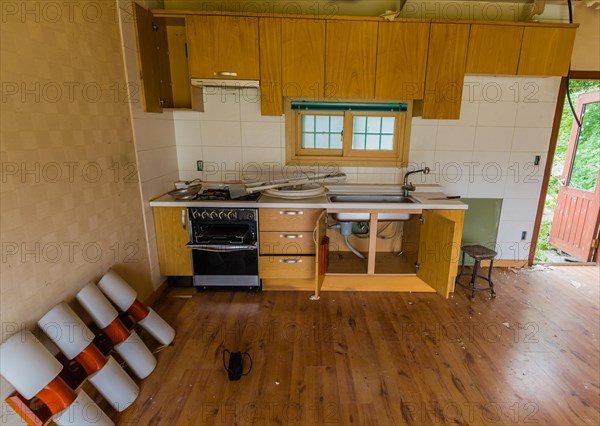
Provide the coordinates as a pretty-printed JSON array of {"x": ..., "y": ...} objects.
[{"x": 529, "y": 356}]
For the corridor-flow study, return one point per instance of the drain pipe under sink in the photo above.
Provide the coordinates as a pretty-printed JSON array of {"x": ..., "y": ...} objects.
[{"x": 346, "y": 231}]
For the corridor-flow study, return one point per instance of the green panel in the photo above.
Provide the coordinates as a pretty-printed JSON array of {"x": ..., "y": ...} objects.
[{"x": 481, "y": 222}]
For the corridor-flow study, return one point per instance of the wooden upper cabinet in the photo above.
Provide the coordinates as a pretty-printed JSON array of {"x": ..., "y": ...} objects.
[
  {"x": 303, "y": 58},
  {"x": 494, "y": 49},
  {"x": 350, "y": 63},
  {"x": 546, "y": 51},
  {"x": 223, "y": 47},
  {"x": 401, "y": 60},
  {"x": 271, "y": 98},
  {"x": 446, "y": 61}
]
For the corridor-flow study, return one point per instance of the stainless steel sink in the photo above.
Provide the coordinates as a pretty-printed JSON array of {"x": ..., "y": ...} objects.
[{"x": 368, "y": 199}]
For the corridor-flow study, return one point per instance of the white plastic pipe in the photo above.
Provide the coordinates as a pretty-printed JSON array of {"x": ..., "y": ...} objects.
[
  {"x": 66, "y": 329},
  {"x": 158, "y": 327},
  {"x": 98, "y": 306},
  {"x": 115, "y": 385},
  {"x": 26, "y": 364},
  {"x": 82, "y": 412},
  {"x": 137, "y": 355},
  {"x": 117, "y": 290}
]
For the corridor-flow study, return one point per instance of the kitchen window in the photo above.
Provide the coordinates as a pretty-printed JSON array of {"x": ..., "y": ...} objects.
[{"x": 347, "y": 133}]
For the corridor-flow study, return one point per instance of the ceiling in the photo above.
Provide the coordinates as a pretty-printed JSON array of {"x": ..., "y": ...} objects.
[{"x": 502, "y": 10}]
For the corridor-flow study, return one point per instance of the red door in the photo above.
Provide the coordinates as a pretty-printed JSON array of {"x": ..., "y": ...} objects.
[{"x": 576, "y": 218}]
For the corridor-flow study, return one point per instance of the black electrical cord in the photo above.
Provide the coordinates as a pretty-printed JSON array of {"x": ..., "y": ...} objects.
[{"x": 570, "y": 7}]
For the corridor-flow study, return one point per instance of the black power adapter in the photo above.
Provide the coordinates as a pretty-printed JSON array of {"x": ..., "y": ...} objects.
[{"x": 235, "y": 369}]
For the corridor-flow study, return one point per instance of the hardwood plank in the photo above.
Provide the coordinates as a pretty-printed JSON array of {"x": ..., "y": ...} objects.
[{"x": 528, "y": 356}]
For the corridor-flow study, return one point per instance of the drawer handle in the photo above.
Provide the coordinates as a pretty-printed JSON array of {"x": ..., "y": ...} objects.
[
  {"x": 290, "y": 260},
  {"x": 291, "y": 212},
  {"x": 291, "y": 236},
  {"x": 183, "y": 221},
  {"x": 225, "y": 74}
]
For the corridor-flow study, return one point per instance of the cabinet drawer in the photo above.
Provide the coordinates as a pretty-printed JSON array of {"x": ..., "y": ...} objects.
[
  {"x": 288, "y": 243},
  {"x": 287, "y": 267},
  {"x": 287, "y": 219}
]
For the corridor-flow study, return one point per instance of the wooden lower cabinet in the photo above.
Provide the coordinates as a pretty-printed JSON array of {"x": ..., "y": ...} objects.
[{"x": 172, "y": 235}]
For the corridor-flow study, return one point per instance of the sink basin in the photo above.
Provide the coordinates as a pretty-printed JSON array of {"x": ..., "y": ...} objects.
[{"x": 367, "y": 199}]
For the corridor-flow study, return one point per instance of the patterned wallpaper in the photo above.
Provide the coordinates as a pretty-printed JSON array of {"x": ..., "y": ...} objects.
[{"x": 70, "y": 194}]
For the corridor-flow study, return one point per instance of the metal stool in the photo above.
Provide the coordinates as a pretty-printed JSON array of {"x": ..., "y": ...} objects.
[{"x": 478, "y": 253}]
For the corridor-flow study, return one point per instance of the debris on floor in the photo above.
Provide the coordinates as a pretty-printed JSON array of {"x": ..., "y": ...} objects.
[{"x": 575, "y": 284}]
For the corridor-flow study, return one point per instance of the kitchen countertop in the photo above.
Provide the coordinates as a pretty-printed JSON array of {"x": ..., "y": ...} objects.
[{"x": 426, "y": 195}]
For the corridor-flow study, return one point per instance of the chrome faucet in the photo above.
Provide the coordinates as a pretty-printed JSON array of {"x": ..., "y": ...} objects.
[{"x": 406, "y": 187}]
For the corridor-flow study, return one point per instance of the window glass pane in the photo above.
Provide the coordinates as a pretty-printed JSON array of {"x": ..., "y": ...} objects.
[
  {"x": 308, "y": 140},
  {"x": 308, "y": 123},
  {"x": 373, "y": 142},
  {"x": 337, "y": 124},
  {"x": 322, "y": 141},
  {"x": 374, "y": 125},
  {"x": 335, "y": 141},
  {"x": 322, "y": 124},
  {"x": 360, "y": 124},
  {"x": 587, "y": 155},
  {"x": 358, "y": 141},
  {"x": 387, "y": 142},
  {"x": 387, "y": 125}
]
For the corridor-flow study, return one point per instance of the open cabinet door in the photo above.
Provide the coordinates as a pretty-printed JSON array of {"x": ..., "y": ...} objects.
[
  {"x": 435, "y": 251},
  {"x": 322, "y": 249},
  {"x": 148, "y": 61}
]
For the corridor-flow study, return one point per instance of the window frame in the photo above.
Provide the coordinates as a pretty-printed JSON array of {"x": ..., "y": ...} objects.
[{"x": 347, "y": 156}]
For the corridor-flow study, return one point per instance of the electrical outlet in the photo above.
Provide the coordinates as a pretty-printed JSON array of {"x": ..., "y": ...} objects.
[
  {"x": 536, "y": 161},
  {"x": 199, "y": 165},
  {"x": 523, "y": 235}
]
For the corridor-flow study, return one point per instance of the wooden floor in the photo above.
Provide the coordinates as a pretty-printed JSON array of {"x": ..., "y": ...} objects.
[{"x": 530, "y": 356}]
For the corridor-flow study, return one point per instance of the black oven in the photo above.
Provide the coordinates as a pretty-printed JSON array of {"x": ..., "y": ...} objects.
[{"x": 224, "y": 244}]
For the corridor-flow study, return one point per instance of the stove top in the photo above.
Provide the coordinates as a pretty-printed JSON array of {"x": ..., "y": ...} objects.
[{"x": 223, "y": 195}]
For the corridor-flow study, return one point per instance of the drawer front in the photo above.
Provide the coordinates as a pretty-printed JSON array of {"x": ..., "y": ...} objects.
[
  {"x": 286, "y": 267},
  {"x": 287, "y": 219},
  {"x": 288, "y": 243}
]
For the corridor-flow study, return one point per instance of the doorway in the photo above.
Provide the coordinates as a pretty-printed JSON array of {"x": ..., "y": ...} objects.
[{"x": 569, "y": 225}]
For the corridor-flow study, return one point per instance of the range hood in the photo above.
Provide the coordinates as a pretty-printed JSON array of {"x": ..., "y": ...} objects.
[{"x": 230, "y": 84}]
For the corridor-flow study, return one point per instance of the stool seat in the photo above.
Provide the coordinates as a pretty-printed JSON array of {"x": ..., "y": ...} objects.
[{"x": 478, "y": 253}]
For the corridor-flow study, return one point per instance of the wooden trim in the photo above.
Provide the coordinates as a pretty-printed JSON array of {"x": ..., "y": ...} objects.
[
  {"x": 372, "y": 254},
  {"x": 407, "y": 283},
  {"x": 505, "y": 263},
  {"x": 156, "y": 294},
  {"x": 562, "y": 91},
  {"x": 584, "y": 75},
  {"x": 176, "y": 12}
]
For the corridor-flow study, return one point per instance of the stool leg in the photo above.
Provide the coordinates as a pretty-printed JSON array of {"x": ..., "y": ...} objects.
[
  {"x": 493, "y": 293},
  {"x": 474, "y": 279},
  {"x": 462, "y": 265}
]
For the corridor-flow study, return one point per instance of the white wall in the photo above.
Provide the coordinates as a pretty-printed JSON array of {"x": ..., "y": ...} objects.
[
  {"x": 488, "y": 153},
  {"x": 154, "y": 134}
]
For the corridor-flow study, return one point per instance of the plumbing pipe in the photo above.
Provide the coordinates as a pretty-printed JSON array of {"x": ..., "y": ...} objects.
[
  {"x": 346, "y": 231},
  {"x": 122, "y": 295}
]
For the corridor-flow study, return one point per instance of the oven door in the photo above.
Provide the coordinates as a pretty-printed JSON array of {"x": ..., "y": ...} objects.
[{"x": 226, "y": 265}]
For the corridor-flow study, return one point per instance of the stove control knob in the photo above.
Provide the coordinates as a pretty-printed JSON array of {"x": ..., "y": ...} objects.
[
  {"x": 250, "y": 216},
  {"x": 204, "y": 214},
  {"x": 231, "y": 215},
  {"x": 214, "y": 214},
  {"x": 222, "y": 214}
]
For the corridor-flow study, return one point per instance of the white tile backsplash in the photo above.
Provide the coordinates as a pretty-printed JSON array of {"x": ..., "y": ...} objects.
[
  {"x": 188, "y": 132},
  {"x": 535, "y": 114},
  {"x": 257, "y": 134},
  {"x": 458, "y": 138},
  {"x": 493, "y": 138},
  {"x": 497, "y": 114},
  {"x": 531, "y": 139},
  {"x": 423, "y": 138},
  {"x": 221, "y": 104},
  {"x": 187, "y": 156},
  {"x": 518, "y": 208},
  {"x": 486, "y": 186},
  {"x": 221, "y": 134}
]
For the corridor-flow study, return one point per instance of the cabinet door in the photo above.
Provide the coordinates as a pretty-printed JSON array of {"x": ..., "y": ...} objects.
[
  {"x": 172, "y": 235},
  {"x": 446, "y": 62},
  {"x": 321, "y": 249},
  {"x": 546, "y": 51},
  {"x": 351, "y": 54},
  {"x": 303, "y": 58},
  {"x": 436, "y": 249},
  {"x": 271, "y": 99},
  {"x": 148, "y": 37},
  {"x": 223, "y": 47},
  {"x": 401, "y": 60},
  {"x": 494, "y": 49}
]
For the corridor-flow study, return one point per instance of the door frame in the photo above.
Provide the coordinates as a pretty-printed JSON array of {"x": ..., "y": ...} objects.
[{"x": 560, "y": 101}]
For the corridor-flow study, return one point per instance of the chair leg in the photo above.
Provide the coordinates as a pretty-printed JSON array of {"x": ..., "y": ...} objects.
[
  {"x": 492, "y": 292},
  {"x": 474, "y": 279}
]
